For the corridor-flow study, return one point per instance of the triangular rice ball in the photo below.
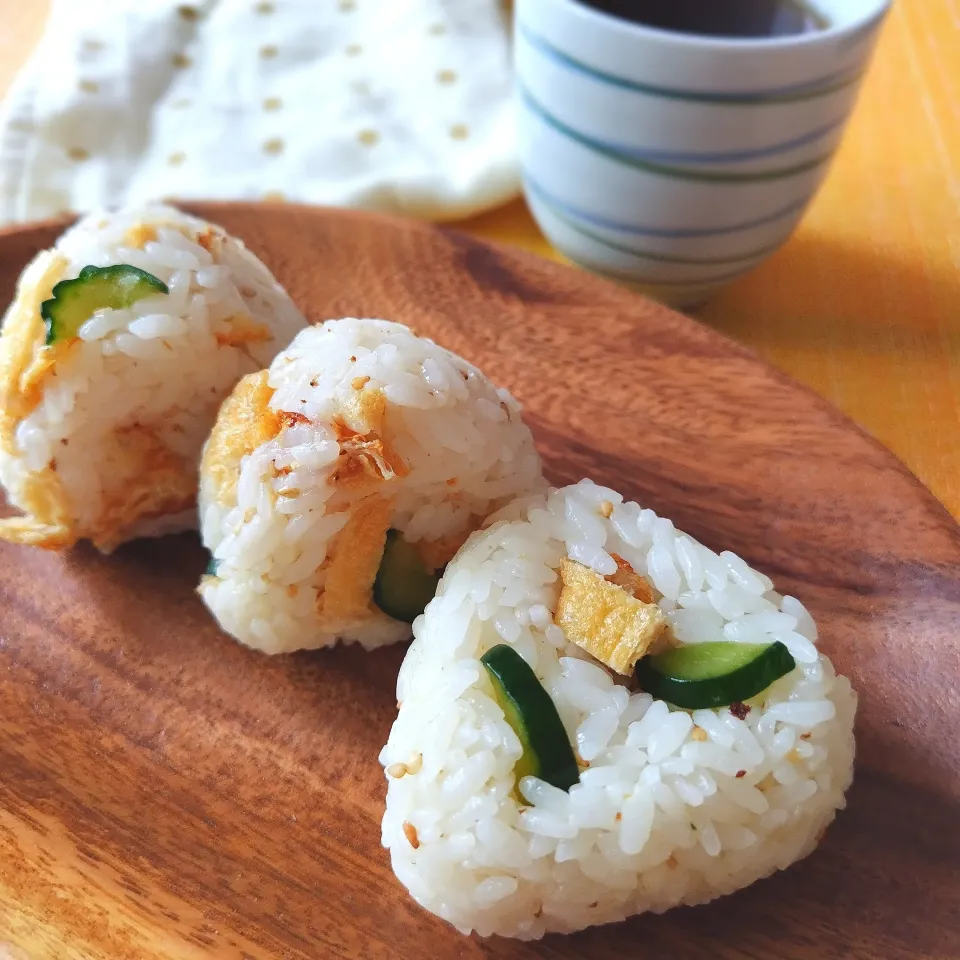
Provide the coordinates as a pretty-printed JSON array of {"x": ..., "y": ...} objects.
[{"x": 672, "y": 805}]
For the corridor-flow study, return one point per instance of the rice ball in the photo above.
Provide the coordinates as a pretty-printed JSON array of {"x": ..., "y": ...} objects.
[
  {"x": 115, "y": 355},
  {"x": 599, "y": 716},
  {"x": 336, "y": 485}
]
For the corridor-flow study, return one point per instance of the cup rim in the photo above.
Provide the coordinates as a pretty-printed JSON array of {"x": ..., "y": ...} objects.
[{"x": 873, "y": 15}]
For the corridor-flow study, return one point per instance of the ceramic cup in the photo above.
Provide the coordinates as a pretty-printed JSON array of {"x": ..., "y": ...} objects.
[{"x": 673, "y": 161}]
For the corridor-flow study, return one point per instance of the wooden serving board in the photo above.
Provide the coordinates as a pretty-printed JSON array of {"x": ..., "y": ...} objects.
[{"x": 166, "y": 793}]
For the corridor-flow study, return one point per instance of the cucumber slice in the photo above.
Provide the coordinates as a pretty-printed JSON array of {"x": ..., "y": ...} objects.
[
  {"x": 75, "y": 301},
  {"x": 404, "y": 586},
  {"x": 702, "y": 675},
  {"x": 531, "y": 712}
]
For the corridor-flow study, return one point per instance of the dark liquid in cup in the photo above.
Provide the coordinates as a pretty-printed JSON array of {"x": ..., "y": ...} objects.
[{"x": 718, "y": 18}]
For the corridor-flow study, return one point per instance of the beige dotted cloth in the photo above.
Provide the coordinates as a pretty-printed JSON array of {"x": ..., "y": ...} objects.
[{"x": 401, "y": 105}]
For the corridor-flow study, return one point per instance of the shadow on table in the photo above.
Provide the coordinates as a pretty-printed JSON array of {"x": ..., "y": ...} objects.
[{"x": 819, "y": 291}]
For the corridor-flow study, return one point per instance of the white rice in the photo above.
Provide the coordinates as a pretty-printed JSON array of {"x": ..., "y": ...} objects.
[
  {"x": 157, "y": 364},
  {"x": 463, "y": 442},
  {"x": 675, "y": 807}
]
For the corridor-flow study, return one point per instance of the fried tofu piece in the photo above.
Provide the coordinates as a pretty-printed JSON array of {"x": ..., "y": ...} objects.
[
  {"x": 139, "y": 235},
  {"x": 24, "y": 358},
  {"x": 630, "y": 580},
  {"x": 48, "y": 522},
  {"x": 147, "y": 480},
  {"x": 242, "y": 330},
  {"x": 363, "y": 410},
  {"x": 364, "y": 470},
  {"x": 366, "y": 460},
  {"x": 44, "y": 363},
  {"x": 25, "y": 364},
  {"x": 604, "y": 619},
  {"x": 436, "y": 554},
  {"x": 354, "y": 561},
  {"x": 245, "y": 422}
]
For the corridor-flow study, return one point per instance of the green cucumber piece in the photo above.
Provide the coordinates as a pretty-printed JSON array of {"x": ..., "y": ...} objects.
[
  {"x": 75, "y": 301},
  {"x": 531, "y": 712},
  {"x": 715, "y": 674},
  {"x": 213, "y": 565},
  {"x": 404, "y": 586}
]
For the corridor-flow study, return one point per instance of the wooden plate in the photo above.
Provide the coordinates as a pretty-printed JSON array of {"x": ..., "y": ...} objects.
[{"x": 165, "y": 793}]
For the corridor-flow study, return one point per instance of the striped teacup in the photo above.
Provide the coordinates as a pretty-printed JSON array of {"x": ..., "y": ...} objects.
[{"x": 674, "y": 161}]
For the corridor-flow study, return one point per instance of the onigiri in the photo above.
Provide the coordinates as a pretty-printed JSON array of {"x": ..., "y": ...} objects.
[
  {"x": 600, "y": 716},
  {"x": 336, "y": 485}
]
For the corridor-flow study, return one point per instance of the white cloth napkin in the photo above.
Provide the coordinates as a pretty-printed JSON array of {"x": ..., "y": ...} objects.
[{"x": 400, "y": 105}]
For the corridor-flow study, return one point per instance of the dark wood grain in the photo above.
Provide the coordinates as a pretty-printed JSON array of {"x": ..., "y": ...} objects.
[{"x": 165, "y": 793}]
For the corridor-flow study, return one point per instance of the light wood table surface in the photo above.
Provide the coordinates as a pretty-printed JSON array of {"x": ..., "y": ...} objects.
[{"x": 863, "y": 304}]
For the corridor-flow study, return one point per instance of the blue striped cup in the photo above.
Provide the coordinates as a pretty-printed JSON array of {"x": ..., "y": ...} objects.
[{"x": 674, "y": 161}]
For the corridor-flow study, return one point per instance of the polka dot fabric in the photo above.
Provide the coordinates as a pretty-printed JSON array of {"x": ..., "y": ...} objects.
[{"x": 400, "y": 105}]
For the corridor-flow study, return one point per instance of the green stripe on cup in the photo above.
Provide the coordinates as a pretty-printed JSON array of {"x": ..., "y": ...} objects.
[
  {"x": 650, "y": 283},
  {"x": 746, "y": 99},
  {"x": 664, "y": 169},
  {"x": 646, "y": 254}
]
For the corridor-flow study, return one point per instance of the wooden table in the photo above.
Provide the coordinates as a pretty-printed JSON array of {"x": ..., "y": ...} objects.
[{"x": 863, "y": 304}]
